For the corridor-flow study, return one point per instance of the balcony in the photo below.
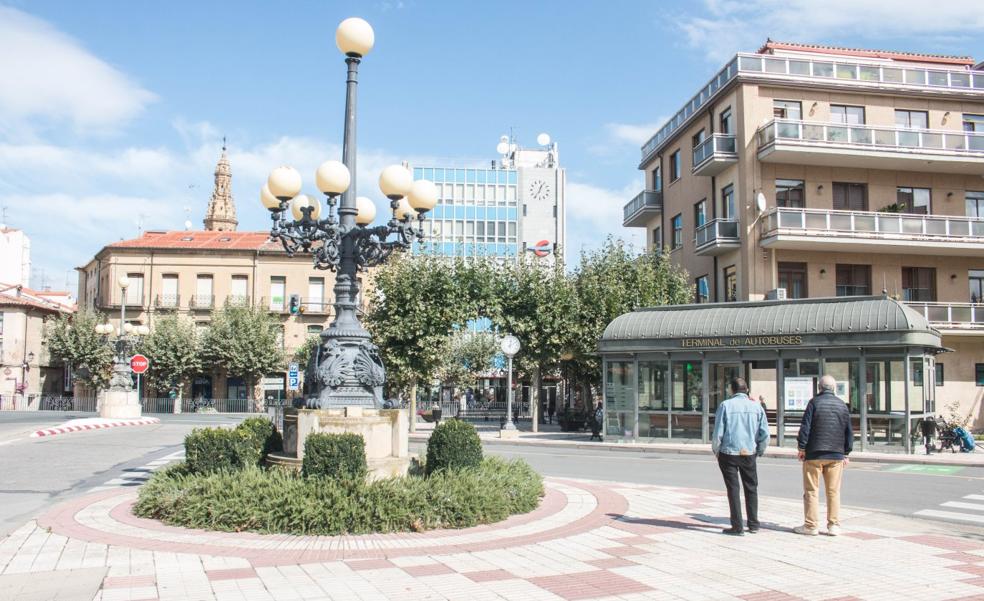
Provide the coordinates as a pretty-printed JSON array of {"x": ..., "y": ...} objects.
[
  {"x": 276, "y": 304},
  {"x": 953, "y": 318},
  {"x": 638, "y": 211},
  {"x": 237, "y": 300},
  {"x": 315, "y": 306},
  {"x": 869, "y": 231},
  {"x": 870, "y": 147},
  {"x": 715, "y": 154},
  {"x": 167, "y": 301},
  {"x": 202, "y": 301},
  {"x": 717, "y": 237}
]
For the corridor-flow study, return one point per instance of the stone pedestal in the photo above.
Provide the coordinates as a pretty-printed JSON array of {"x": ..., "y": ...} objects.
[
  {"x": 503, "y": 433},
  {"x": 119, "y": 404},
  {"x": 384, "y": 431}
]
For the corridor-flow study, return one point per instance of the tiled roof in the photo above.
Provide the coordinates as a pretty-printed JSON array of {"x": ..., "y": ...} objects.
[
  {"x": 21, "y": 296},
  {"x": 863, "y": 53},
  {"x": 200, "y": 240}
]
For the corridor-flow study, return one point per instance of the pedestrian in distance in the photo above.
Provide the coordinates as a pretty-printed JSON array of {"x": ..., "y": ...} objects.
[
  {"x": 825, "y": 440},
  {"x": 597, "y": 421},
  {"x": 741, "y": 434}
]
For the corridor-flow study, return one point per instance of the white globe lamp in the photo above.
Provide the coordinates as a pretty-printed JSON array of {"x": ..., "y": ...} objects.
[
  {"x": 354, "y": 37},
  {"x": 332, "y": 178},
  {"x": 284, "y": 182}
]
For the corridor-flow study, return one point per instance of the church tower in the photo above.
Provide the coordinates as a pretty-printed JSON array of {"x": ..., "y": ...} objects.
[{"x": 221, "y": 214}]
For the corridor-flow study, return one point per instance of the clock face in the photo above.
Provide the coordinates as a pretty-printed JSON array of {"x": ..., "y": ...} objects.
[
  {"x": 510, "y": 345},
  {"x": 539, "y": 189}
]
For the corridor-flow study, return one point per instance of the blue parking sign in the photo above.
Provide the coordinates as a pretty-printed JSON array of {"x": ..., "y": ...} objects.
[{"x": 293, "y": 377}]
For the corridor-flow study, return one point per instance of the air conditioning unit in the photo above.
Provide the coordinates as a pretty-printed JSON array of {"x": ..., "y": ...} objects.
[{"x": 776, "y": 294}]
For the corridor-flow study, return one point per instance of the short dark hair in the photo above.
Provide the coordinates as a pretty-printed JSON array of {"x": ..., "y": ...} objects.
[{"x": 739, "y": 385}]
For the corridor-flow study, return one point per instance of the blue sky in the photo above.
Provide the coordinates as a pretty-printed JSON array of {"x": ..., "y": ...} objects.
[{"x": 112, "y": 113}]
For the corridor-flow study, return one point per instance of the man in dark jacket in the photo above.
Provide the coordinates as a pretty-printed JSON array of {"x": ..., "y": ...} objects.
[{"x": 825, "y": 440}]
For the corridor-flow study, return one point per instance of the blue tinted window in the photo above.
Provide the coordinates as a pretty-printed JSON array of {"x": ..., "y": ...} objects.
[
  {"x": 511, "y": 214},
  {"x": 470, "y": 176},
  {"x": 418, "y": 173},
  {"x": 469, "y": 212},
  {"x": 459, "y": 212},
  {"x": 500, "y": 213},
  {"x": 512, "y": 177},
  {"x": 468, "y": 249}
]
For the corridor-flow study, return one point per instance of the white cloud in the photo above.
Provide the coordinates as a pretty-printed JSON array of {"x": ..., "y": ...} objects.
[
  {"x": 730, "y": 25},
  {"x": 594, "y": 213},
  {"x": 633, "y": 133},
  {"x": 49, "y": 78}
]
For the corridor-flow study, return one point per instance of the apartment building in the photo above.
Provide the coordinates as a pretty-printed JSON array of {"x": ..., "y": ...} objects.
[
  {"x": 25, "y": 364},
  {"x": 804, "y": 171},
  {"x": 191, "y": 272}
]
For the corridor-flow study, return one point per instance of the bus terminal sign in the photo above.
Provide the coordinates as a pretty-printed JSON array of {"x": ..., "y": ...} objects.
[{"x": 741, "y": 341}]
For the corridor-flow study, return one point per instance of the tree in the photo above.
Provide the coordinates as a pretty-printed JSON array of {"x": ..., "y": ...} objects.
[
  {"x": 302, "y": 356},
  {"x": 244, "y": 341},
  {"x": 73, "y": 339},
  {"x": 174, "y": 351},
  {"x": 469, "y": 354}
]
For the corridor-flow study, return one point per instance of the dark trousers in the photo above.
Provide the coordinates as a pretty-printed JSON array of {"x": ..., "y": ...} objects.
[{"x": 734, "y": 467}]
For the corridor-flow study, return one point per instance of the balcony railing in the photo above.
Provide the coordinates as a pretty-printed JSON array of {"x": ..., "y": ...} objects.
[
  {"x": 870, "y": 224},
  {"x": 714, "y": 154},
  {"x": 870, "y": 136},
  {"x": 315, "y": 305},
  {"x": 948, "y": 316},
  {"x": 168, "y": 301},
  {"x": 237, "y": 300},
  {"x": 646, "y": 203},
  {"x": 202, "y": 301},
  {"x": 819, "y": 70},
  {"x": 276, "y": 304},
  {"x": 717, "y": 236}
]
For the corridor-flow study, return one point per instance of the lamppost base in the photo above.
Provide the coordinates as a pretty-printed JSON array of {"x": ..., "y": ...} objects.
[
  {"x": 119, "y": 404},
  {"x": 507, "y": 432}
]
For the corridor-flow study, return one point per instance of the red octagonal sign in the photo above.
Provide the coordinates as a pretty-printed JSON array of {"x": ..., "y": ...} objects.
[{"x": 139, "y": 364}]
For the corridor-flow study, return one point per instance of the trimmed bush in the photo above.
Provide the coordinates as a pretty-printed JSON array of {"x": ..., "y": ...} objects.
[
  {"x": 220, "y": 449},
  {"x": 267, "y": 437},
  {"x": 338, "y": 456},
  {"x": 453, "y": 445},
  {"x": 281, "y": 501}
]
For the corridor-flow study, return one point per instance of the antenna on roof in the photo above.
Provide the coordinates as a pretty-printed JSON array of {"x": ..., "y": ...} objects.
[{"x": 3, "y": 216}]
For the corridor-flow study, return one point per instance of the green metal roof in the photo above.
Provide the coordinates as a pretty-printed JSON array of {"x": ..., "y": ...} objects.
[{"x": 825, "y": 322}]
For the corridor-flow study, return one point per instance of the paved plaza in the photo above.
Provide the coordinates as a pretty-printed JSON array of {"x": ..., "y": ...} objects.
[{"x": 587, "y": 540}]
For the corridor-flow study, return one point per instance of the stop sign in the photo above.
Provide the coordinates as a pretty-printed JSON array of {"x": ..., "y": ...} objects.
[{"x": 139, "y": 364}]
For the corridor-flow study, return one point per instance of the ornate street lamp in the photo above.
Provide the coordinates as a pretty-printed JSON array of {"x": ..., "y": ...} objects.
[
  {"x": 124, "y": 346},
  {"x": 345, "y": 369}
]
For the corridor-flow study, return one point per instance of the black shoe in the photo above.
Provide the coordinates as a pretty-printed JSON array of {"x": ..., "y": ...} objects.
[
  {"x": 753, "y": 530},
  {"x": 733, "y": 532}
]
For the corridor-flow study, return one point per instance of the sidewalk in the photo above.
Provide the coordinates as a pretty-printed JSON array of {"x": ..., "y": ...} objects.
[
  {"x": 553, "y": 437},
  {"x": 587, "y": 540}
]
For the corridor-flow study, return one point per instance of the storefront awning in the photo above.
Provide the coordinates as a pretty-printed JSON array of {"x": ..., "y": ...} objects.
[{"x": 860, "y": 321}]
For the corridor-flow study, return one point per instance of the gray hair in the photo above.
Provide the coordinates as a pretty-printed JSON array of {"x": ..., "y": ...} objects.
[{"x": 828, "y": 383}]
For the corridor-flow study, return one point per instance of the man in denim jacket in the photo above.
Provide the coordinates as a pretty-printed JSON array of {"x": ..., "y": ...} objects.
[{"x": 741, "y": 433}]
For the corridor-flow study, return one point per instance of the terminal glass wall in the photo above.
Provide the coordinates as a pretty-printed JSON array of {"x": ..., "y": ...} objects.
[
  {"x": 688, "y": 395},
  {"x": 654, "y": 400},
  {"x": 620, "y": 385}
]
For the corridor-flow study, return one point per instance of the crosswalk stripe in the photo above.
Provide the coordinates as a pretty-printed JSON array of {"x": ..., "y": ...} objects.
[
  {"x": 959, "y": 505},
  {"x": 952, "y": 515},
  {"x": 975, "y": 497}
]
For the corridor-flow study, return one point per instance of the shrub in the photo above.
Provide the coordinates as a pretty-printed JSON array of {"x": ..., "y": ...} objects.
[
  {"x": 339, "y": 456},
  {"x": 217, "y": 449},
  {"x": 281, "y": 501},
  {"x": 267, "y": 437},
  {"x": 453, "y": 445}
]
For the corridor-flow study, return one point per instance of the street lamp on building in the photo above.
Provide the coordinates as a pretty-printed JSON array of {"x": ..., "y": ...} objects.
[
  {"x": 345, "y": 369},
  {"x": 510, "y": 346}
]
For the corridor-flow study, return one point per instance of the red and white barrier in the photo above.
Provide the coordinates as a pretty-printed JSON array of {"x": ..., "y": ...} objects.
[{"x": 93, "y": 423}]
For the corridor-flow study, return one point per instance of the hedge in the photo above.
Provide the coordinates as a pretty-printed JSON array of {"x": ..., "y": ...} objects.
[
  {"x": 334, "y": 456},
  {"x": 453, "y": 444},
  {"x": 216, "y": 449},
  {"x": 281, "y": 501},
  {"x": 266, "y": 434}
]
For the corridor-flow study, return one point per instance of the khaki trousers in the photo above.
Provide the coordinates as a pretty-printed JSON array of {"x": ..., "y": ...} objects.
[{"x": 831, "y": 470}]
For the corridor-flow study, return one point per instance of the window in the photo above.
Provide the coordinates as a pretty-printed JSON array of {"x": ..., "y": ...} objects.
[
  {"x": 791, "y": 193},
  {"x": 238, "y": 293},
  {"x": 135, "y": 290},
  {"x": 728, "y": 209},
  {"x": 700, "y": 213},
  {"x": 675, "y": 166},
  {"x": 658, "y": 179},
  {"x": 975, "y": 204},
  {"x": 278, "y": 289},
  {"x": 848, "y": 115},
  {"x": 853, "y": 280},
  {"x": 730, "y": 284},
  {"x": 912, "y": 119},
  {"x": 316, "y": 294},
  {"x": 787, "y": 109},
  {"x": 677, "y": 223},
  {"x": 976, "y": 277},
  {"x": 313, "y": 330},
  {"x": 913, "y": 200},
  {"x": 701, "y": 290},
  {"x": 203, "y": 291},
  {"x": 919, "y": 284},
  {"x": 699, "y": 137},
  {"x": 939, "y": 374},
  {"x": 727, "y": 121},
  {"x": 850, "y": 197},
  {"x": 792, "y": 277},
  {"x": 973, "y": 123},
  {"x": 657, "y": 239},
  {"x": 169, "y": 290},
  {"x": 979, "y": 373}
]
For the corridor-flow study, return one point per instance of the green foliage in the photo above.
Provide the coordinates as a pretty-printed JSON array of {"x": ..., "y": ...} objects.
[
  {"x": 338, "y": 456},
  {"x": 302, "y": 356},
  {"x": 265, "y": 434},
  {"x": 174, "y": 352},
  {"x": 280, "y": 501},
  {"x": 244, "y": 341},
  {"x": 73, "y": 339},
  {"x": 468, "y": 355},
  {"x": 221, "y": 449},
  {"x": 453, "y": 445}
]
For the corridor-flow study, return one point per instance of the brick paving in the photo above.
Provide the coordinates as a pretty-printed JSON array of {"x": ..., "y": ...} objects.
[{"x": 587, "y": 540}]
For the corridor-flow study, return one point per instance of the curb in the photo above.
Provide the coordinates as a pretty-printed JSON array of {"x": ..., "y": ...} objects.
[
  {"x": 69, "y": 427},
  {"x": 698, "y": 450}
]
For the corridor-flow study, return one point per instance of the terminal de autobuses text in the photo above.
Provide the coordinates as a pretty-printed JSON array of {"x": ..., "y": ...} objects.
[{"x": 741, "y": 341}]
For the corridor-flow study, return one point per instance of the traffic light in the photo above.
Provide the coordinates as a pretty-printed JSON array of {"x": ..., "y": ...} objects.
[{"x": 295, "y": 304}]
